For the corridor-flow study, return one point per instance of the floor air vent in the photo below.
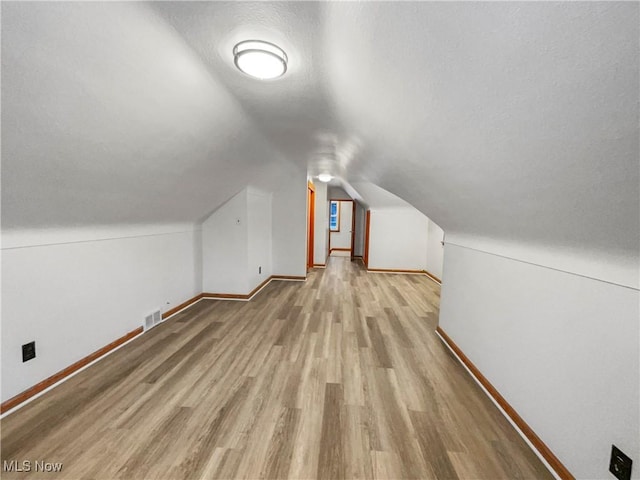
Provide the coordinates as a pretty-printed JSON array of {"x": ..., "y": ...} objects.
[{"x": 152, "y": 320}]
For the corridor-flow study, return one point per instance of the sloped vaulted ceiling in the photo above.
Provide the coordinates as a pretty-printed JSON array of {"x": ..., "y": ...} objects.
[{"x": 507, "y": 120}]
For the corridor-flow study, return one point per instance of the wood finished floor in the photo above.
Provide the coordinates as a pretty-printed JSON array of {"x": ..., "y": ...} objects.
[{"x": 338, "y": 377}]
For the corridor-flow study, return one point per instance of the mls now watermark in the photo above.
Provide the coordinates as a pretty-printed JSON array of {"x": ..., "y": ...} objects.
[{"x": 29, "y": 466}]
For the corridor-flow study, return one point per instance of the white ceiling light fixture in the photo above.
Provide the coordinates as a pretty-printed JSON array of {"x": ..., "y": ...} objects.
[
  {"x": 260, "y": 59},
  {"x": 325, "y": 177}
]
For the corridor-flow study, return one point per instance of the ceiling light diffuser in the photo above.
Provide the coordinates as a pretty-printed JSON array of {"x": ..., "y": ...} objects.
[
  {"x": 324, "y": 177},
  {"x": 260, "y": 59}
]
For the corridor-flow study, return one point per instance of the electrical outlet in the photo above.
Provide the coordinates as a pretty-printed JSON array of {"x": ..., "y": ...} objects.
[
  {"x": 259, "y": 269},
  {"x": 620, "y": 464},
  {"x": 28, "y": 351}
]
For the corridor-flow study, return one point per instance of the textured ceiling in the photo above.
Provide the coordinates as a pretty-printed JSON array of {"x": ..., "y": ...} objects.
[{"x": 516, "y": 121}]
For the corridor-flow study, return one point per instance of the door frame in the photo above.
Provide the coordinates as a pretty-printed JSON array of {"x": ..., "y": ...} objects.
[
  {"x": 367, "y": 227},
  {"x": 311, "y": 216},
  {"x": 353, "y": 230}
]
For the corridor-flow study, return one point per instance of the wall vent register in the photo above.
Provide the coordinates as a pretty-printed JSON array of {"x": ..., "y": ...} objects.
[
  {"x": 152, "y": 320},
  {"x": 28, "y": 351}
]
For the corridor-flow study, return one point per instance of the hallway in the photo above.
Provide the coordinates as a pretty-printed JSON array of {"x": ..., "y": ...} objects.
[{"x": 338, "y": 377}]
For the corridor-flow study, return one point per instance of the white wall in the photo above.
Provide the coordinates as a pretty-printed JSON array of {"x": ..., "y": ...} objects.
[
  {"x": 561, "y": 348},
  {"x": 435, "y": 249},
  {"x": 260, "y": 236},
  {"x": 342, "y": 239},
  {"x": 75, "y": 291},
  {"x": 337, "y": 193},
  {"x": 398, "y": 239},
  {"x": 289, "y": 219},
  {"x": 614, "y": 266},
  {"x": 321, "y": 225},
  {"x": 225, "y": 247},
  {"x": 237, "y": 239},
  {"x": 359, "y": 233}
]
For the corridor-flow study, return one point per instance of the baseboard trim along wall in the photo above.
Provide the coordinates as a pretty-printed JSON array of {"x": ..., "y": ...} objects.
[
  {"x": 180, "y": 307},
  {"x": 539, "y": 446},
  {"x": 289, "y": 278},
  {"x": 394, "y": 270},
  {"x": 250, "y": 295},
  {"x": 63, "y": 374},
  {"x": 433, "y": 277},
  {"x": 322, "y": 265}
]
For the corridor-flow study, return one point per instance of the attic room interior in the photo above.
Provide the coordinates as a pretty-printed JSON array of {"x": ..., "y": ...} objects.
[{"x": 320, "y": 240}]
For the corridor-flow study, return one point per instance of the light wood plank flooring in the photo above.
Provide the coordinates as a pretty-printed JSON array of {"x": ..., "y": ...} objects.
[{"x": 338, "y": 377}]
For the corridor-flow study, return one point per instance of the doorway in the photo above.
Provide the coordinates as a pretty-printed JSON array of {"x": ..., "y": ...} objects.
[{"x": 342, "y": 226}]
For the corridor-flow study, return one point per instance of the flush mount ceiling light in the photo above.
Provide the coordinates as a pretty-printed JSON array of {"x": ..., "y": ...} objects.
[
  {"x": 324, "y": 177},
  {"x": 260, "y": 59}
]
